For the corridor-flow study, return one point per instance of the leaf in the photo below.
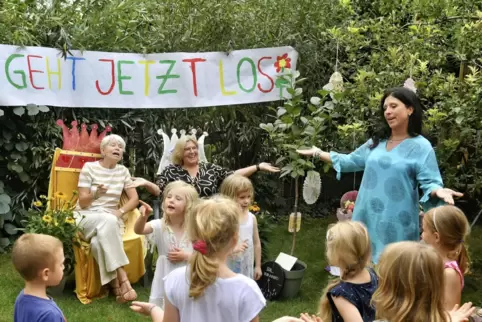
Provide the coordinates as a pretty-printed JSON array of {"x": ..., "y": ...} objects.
[
  {"x": 4, "y": 242},
  {"x": 298, "y": 91},
  {"x": 2, "y": 113},
  {"x": 32, "y": 109},
  {"x": 279, "y": 160},
  {"x": 127, "y": 124},
  {"x": 43, "y": 108},
  {"x": 24, "y": 177},
  {"x": 7, "y": 135},
  {"x": 4, "y": 208},
  {"x": 19, "y": 110},
  {"x": 4, "y": 198},
  {"x": 21, "y": 146},
  {"x": 281, "y": 111},
  {"x": 10, "y": 229},
  {"x": 459, "y": 119},
  {"x": 315, "y": 100}
]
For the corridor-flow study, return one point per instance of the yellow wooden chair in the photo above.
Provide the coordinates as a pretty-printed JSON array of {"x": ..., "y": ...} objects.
[{"x": 87, "y": 277}]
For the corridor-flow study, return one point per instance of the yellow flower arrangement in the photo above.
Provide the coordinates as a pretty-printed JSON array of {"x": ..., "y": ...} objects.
[
  {"x": 254, "y": 208},
  {"x": 55, "y": 216},
  {"x": 47, "y": 218}
]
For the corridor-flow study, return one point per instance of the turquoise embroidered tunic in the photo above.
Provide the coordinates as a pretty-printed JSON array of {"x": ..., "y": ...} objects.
[{"x": 388, "y": 199}]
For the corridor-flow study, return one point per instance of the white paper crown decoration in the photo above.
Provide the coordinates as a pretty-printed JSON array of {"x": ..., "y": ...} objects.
[
  {"x": 311, "y": 187},
  {"x": 170, "y": 143}
]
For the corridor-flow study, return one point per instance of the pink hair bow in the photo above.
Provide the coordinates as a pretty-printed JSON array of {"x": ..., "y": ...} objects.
[{"x": 200, "y": 246}]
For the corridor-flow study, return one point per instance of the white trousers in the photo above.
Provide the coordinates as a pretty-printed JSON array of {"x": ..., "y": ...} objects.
[{"x": 102, "y": 229}]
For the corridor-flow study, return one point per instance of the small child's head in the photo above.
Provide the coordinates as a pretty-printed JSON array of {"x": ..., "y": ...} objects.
[
  {"x": 411, "y": 284},
  {"x": 178, "y": 200},
  {"x": 348, "y": 246},
  {"x": 238, "y": 188},
  {"x": 446, "y": 228},
  {"x": 213, "y": 229},
  {"x": 39, "y": 258}
]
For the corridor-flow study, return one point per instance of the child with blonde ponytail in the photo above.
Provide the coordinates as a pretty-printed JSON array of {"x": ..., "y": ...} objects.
[
  {"x": 348, "y": 297},
  {"x": 446, "y": 229},
  {"x": 206, "y": 289}
]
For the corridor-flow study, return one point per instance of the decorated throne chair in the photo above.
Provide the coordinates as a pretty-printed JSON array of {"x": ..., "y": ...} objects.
[{"x": 67, "y": 162}]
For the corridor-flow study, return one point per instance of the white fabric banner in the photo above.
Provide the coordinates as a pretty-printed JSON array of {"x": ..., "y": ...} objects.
[{"x": 41, "y": 76}]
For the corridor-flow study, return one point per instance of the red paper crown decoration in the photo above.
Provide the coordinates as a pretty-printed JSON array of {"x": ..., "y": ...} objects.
[{"x": 82, "y": 142}]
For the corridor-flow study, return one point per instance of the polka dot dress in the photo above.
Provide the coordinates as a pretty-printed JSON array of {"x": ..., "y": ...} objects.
[{"x": 388, "y": 198}]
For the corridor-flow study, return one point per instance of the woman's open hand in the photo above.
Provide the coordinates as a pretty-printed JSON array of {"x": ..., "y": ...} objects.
[
  {"x": 264, "y": 166},
  {"x": 309, "y": 152},
  {"x": 137, "y": 182},
  {"x": 447, "y": 195}
]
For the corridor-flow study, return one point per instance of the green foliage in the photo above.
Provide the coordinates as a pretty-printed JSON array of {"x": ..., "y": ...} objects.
[{"x": 55, "y": 217}]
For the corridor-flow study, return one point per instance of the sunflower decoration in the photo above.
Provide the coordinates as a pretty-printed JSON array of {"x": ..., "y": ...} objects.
[
  {"x": 282, "y": 62},
  {"x": 54, "y": 216}
]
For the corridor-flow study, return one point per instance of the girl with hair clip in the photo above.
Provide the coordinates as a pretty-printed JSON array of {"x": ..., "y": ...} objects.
[
  {"x": 411, "y": 286},
  {"x": 446, "y": 229},
  {"x": 206, "y": 289},
  {"x": 168, "y": 233},
  {"x": 348, "y": 297}
]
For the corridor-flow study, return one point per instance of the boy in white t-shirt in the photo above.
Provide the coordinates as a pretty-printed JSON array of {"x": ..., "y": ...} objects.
[{"x": 206, "y": 289}]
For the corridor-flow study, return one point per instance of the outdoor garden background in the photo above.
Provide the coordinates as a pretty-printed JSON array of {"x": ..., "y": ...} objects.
[{"x": 380, "y": 44}]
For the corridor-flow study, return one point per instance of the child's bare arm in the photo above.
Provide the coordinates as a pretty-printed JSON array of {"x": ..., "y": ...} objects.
[
  {"x": 348, "y": 311},
  {"x": 142, "y": 227},
  {"x": 453, "y": 288},
  {"x": 257, "y": 250}
]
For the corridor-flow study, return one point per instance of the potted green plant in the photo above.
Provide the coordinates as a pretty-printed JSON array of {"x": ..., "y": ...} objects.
[
  {"x": 56, "y": 219},
  {"x": 296, "y": 126}
]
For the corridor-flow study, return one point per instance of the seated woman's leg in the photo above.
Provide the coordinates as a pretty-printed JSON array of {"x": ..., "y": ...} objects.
[{"x": 102, "y": 228}]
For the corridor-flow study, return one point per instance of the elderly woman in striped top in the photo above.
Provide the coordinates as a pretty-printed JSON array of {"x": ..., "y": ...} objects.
[{"x": 101, "y": 184}]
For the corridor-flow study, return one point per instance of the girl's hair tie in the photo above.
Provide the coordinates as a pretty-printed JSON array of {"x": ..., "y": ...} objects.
[{"x": 200, "y": 246}]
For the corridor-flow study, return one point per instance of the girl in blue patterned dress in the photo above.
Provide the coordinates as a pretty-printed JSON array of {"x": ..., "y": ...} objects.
[{"x": 397, "y": 160}]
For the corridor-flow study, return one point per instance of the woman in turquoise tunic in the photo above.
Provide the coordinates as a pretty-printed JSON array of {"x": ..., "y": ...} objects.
[{"x": 396, "y": 162}]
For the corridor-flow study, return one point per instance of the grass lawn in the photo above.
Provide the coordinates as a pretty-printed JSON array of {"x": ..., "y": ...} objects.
[{"x": 310, "y": 249}]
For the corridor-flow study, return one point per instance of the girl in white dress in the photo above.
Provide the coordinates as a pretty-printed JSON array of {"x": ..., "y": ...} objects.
[
  {"x": 168, "y": 233},
  {"x": 247, "y": 254}
]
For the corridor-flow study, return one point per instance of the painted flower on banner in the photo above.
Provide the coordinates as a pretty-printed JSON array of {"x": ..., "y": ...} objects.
[{"x": 282, "y": 62}]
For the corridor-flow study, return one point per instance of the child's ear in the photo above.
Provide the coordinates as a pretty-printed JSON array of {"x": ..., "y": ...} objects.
[
  {"x": 437, "y": 237},
  {"x": 44, "y": 274}
]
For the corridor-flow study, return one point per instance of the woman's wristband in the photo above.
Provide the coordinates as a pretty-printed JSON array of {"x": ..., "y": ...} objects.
[{"x": 258, "y": 168}]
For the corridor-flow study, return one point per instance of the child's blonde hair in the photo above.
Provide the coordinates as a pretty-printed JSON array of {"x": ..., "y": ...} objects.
[
  {"x": 34, "y": 252},
  {"x": 235, "y": 184},
  {"x": 453, "y": 228},
  {"x": 214, "y": 222},
  {"x": 411, "y": 284},
  {"x": 189, "y": 193},
  {"x": 348, "y": 246},
  {"x": 178, "y": 152}
]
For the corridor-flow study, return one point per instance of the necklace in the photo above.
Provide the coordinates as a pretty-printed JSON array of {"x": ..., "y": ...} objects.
[{"x": 391, "y": 140}]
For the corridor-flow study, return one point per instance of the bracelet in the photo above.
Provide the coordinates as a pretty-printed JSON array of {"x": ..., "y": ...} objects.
[
  {"x": 258, "y": 168},
  {"x": 152, "y": 308},
  {"x": 317, "y": 153}
]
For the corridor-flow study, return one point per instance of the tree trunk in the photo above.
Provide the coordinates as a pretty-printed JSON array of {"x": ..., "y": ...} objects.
[{"x": 295, "y": 211}]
